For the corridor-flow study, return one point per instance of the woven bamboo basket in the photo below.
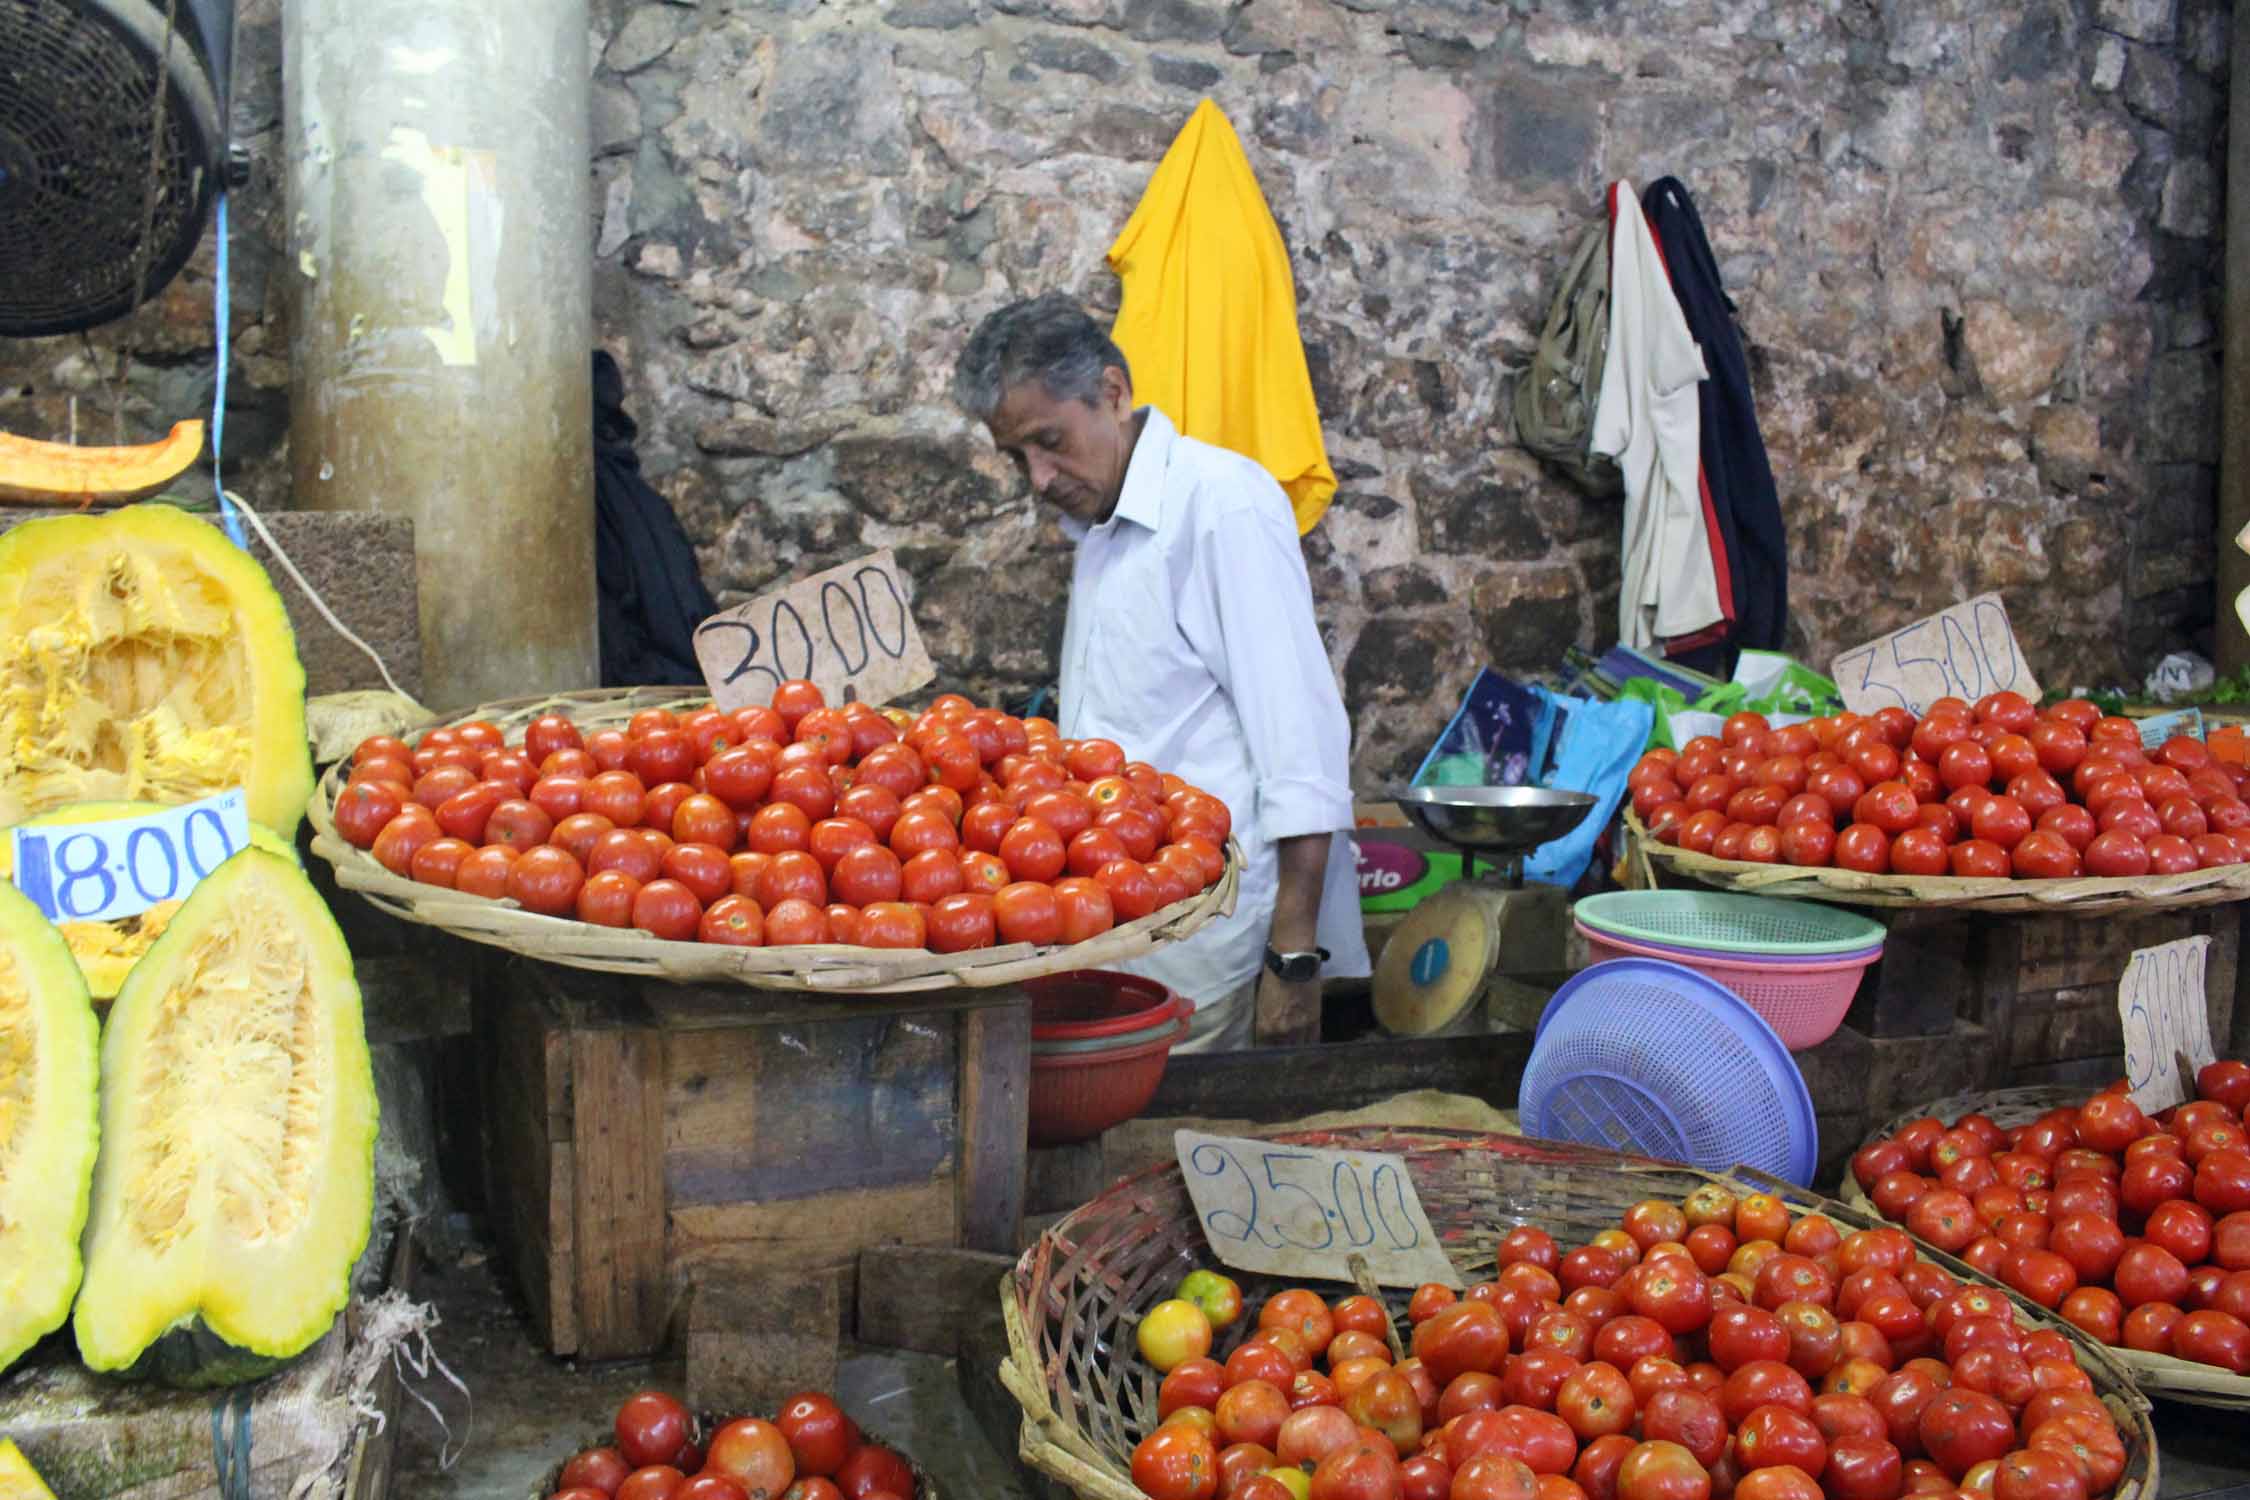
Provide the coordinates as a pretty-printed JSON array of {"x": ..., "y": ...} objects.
[
  {"x": 829, "y": 967},
  {"x": 707, "y": 1423},
  {"x": 2091, "y": 896},
  {"x": 2161, "y": 1374},
  {"x": 1072, "y": 1301}
]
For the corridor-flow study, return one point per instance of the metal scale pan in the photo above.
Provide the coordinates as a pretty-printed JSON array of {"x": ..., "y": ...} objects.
[{"x": 1446, "y": 965}]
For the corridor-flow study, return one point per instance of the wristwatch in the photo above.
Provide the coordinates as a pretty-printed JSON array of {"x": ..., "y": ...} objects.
[{"x": 1295, "y": 967}]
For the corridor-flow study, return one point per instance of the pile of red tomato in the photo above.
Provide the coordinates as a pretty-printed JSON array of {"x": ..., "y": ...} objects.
[
  {"x": 810, "y": 1451},
  {"x": 2135, "y": 1229},
  {"x": 793, "y": 822},
  {"x": 1704, "y": 1350},
  {"x": 1997, "y": 790}
]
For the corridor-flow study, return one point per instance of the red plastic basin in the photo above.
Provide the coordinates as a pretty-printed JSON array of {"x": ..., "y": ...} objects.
[
  {"x": 1077, "y": 1096},
  {"x": 1083, "y": 1004}
]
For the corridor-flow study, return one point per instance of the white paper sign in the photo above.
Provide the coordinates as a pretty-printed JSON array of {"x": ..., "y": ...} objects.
[
  {"x": 848, "y": 630},
  {"x": 2162, "y": 1002},
  {"x": 98, "y": 872},
  {"x": 1963, "y": 652},
  {"x": 1300, "y": 1212},
  {"x": 2158, "y": 728}
]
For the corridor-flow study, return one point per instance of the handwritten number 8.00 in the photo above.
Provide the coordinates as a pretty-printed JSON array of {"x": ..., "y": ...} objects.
[{"x": 150, "y": 860}]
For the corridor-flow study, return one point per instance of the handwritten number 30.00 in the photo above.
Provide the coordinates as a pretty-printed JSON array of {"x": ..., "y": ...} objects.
[{"x": 870, "y": 616}]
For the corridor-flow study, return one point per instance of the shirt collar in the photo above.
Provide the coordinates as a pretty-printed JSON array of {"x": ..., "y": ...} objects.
[{"x": 1141, "y": 501}]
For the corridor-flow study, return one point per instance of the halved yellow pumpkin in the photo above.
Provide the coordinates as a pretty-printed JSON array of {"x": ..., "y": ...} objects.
[
  {"x": 144, "y": 657},
  {"x": 18, "y": 1479},
  {"x": 48, "y": 1125},
  {"x": 66, "y": 474},
  {"x": 107, "y": 951},
  {"x": 237, "y": 1180}
]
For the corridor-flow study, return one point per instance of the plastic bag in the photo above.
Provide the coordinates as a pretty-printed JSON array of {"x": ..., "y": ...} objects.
[
  {"x": 1493, "y": 739},
  {"x": 1594, "y": 752}
]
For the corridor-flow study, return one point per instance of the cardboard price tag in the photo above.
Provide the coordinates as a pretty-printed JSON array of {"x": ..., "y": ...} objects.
[
  {"x": 97, "y": 872},
  {"x": 848, "y": 630},
  {"x": 1963, "y": 652},
  {"x": 2158, "y": 728},
  {"x": 2162, "y": 1002},
  {"x": 1303, "y": 1213}
]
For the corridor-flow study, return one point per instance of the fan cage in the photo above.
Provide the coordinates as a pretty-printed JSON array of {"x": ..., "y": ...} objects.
[{"x": 77, "y": 79}]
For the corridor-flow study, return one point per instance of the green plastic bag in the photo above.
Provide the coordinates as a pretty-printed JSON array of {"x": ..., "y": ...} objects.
[{"x": 1663, "y": 701}]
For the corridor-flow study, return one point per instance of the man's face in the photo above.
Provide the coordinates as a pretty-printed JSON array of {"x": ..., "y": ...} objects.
[{"x": 1074, "y": 452}]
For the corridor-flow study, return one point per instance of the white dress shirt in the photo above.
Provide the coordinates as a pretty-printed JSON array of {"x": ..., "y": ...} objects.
[
  {"x": 1648, "y": 421},
  {"x": 1191, "y": 643}
]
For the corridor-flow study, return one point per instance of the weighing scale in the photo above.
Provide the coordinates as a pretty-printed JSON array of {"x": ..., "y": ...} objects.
[{"x": 1447, "y": 967}]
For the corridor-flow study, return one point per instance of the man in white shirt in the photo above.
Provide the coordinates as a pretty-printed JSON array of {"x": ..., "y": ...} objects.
[{"x": 1190, "y": 642}]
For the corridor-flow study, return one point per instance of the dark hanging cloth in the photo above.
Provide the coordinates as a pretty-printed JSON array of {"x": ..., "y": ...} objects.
[
  {"x": 1736, "y": 475},
  {"x": 652, "y": 594}
]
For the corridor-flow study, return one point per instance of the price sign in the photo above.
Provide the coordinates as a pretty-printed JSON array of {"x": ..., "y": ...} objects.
[
  {"x": 1299, "y": 1212},
  {"x": 2161, "y": 1000},
  {"x": 2158, "y": 728},
  {"x": 1963, "y": 652},
  {"x": 97, "y": 872},
  {"x": 848, "y": 630}
]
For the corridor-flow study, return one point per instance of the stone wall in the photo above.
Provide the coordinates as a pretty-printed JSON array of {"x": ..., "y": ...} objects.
[{"x": 1974, "y": 248}]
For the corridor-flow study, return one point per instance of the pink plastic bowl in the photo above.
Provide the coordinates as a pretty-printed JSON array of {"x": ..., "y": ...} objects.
[{"x": 1803, "y": 1002}]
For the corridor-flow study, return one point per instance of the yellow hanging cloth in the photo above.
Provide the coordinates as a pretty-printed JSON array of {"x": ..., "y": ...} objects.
[{"x": 1209, "y": 318}]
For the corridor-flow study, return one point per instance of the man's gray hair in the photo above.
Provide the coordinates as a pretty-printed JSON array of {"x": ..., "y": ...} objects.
[{"x": 1047, "y": 338}]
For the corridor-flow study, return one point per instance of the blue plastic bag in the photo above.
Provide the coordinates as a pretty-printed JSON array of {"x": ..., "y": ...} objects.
[{"x": 1595, "y": 747}]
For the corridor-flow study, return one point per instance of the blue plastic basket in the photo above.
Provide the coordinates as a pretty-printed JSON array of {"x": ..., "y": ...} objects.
[{"x": 1644, "y": 1055}]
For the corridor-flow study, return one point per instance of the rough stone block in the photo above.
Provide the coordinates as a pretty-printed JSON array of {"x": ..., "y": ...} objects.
[
  {"x": 751, "y": 1344},
  {"x": 2191, "y": 198},
  {"x": 2142, "y": 20}
]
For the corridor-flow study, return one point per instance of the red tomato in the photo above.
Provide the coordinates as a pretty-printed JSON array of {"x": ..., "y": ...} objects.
[
  {"x": 1919, "y": 850},
  {"x": 2044, "y": 856},
  {"x": 872, "y": 1469},
  {"x": 1661, "y": 1471},
  {"x": 1863, "y": 847},
  {"x": 652, "y": 1428},
  {"x": 364, "y": 808}
]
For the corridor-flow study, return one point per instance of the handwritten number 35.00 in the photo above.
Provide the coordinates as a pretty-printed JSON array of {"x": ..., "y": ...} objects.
[
  {"x": 856, "y": 622},
  {"x": 1347, "y": 1192}
]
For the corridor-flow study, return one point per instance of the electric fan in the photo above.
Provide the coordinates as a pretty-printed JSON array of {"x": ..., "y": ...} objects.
[{"x": 93, "y": 217}]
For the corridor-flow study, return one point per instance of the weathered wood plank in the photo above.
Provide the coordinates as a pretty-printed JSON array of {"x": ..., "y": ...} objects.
[
  {"x": 529, "y": 1162},
  {"x": 617, "y": 1095},
  {"x": 774, "y": 1113},
  {"x": 995, "y": 1104},
  {"x": 752, "y": 1342},
  {"x": 1283, "y": 1083},
  {"x": 925, "y": 1298},
  {"x": 708, "y": 1237}
]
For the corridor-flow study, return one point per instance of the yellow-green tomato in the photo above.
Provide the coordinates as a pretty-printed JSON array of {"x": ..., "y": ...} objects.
[
  {"x": 1217, "y": 1295},
  {"x": 1294, "y": 1479},
  {"x": 1172, "y": 1333}
]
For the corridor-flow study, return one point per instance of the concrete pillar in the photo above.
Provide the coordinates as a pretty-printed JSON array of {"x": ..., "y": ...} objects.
[
  {"x": 442, "y": 341},
  {"x": 2232, "y": 642}
]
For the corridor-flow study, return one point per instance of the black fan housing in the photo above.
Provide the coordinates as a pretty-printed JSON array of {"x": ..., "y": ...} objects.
[{"x": 78, "y": 82}]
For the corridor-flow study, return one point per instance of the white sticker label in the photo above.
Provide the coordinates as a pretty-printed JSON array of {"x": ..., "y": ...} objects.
[
  {"x": 2162, "y": 1002},
  {"x": 98, "y": 872},
  {"x": 1301, "y": 1212}
]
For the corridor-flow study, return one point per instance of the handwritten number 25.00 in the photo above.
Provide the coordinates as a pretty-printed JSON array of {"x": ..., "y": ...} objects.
[{"x": 1347, "y": 1191}]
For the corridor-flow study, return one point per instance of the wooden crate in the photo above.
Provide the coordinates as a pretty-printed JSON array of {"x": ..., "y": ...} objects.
[
  {"x": 2047, "y": 989},
  {"x": 644, "y": 1137}
]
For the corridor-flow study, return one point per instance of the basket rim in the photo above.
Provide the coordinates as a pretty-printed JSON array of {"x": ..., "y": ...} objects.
[
  {"x": 830, "y": 968},
  {"x": 1854, "y": 932},
  {"x": 1051, "y": 1442},
  {"x": 2178, "y": 1379},
  {"x": 2083, "y": 896}
]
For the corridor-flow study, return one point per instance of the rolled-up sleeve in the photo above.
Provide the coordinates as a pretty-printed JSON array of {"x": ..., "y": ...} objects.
[{"x": 1275, "y": 669}]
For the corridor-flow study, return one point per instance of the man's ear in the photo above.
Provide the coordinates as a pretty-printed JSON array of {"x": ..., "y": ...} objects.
[{"x": 1117, "y": 391}]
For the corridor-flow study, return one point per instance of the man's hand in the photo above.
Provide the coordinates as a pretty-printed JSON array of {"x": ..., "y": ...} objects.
[{"x": 1286, "y": 1012}]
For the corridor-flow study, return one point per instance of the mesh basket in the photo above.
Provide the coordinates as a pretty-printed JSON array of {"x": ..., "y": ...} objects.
[
  {"x": 1649, "y": 1056},
  {"x": 1803, "y": 999},
  {"x": 1721, "y": 922}
]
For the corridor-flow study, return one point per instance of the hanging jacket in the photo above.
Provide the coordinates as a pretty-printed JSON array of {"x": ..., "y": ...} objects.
[
  {"x": 652, "y": 593},
  {"x": 1647, "y": 419},
  {"x": 1736, "y": 475},
  {"x": 1209, "y": 317}
]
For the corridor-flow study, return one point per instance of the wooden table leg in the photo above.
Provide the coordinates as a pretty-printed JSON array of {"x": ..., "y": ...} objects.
[{"x": 995, "y": 1122}]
